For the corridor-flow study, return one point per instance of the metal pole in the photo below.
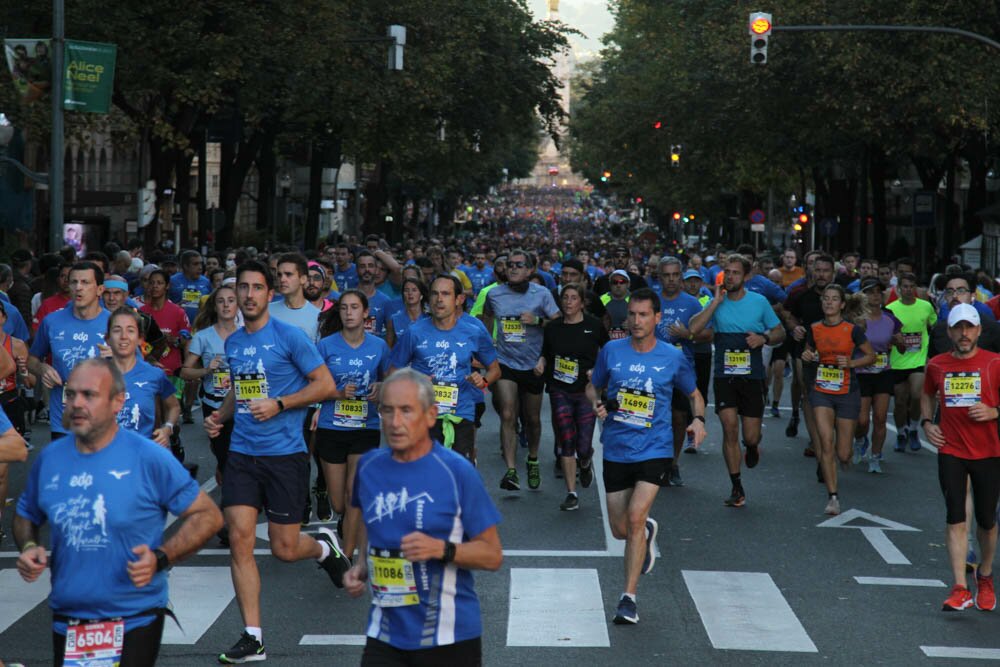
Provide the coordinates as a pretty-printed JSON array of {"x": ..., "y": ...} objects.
[
  {"x": 56, "y": 148},
  {"x": 770, "y": 218}
]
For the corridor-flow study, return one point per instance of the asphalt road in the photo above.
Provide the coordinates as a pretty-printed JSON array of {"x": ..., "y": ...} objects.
[{"x": 765, "y": 584}]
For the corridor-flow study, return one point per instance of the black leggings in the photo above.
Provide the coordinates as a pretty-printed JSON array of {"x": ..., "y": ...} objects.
[
  {"x": 985, "y": 477},
  {"x": 139, "y": 649},
  {"x": 703, "y": 372},
  {"x": 460, "y": 654}
]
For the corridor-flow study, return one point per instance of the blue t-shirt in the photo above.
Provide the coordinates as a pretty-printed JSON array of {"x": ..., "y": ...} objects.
[
  {"x": 984, "y": 312},
  {"x": 187, "y": 293},
  {"x": 795, "y": 285},
  {"x": 389, "y": 290},
  {"x": 99, "y": 507},
  {"x": 732, "y": 321},
  {"x": 208, "y": 344},
  {"x": 269, "y": 363},
  {"x": 479, "y": 278},
  {"x": 305, "y": 317},
  {"x": 441, "y": 495},
  {"x": 854, "y": 286},
  {"x": 681, "y": 308},
  {"x": 347, "y": 279},
  {"x": 15, "y": 325},
  {"x": 401, "y": 322},
  {"x": 142, "y": 385},
  {"x": 547, "y": 278},
  {"x": 767, "y": 288},
  {"x": 519, "y": 345},
  {"x": 446, "y": 356},
  {"x": 362, "y": 366},
  {"x": 379, "y": 310},
  {"x": 69, "y": 340},
  {"x": 643, "y": 384}
]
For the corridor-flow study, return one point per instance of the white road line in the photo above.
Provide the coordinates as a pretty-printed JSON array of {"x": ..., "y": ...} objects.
[
  {"x": 961, "y": 652},
  {"x": 900, "y": 581},
  {"x": 19, "y": 597},
  {"x": 556, "y": 607},
  {"x": 198, "y": 595},
  {"x": 746, "y": 611},
  {"x": 884, "y": 546},
  {"x": 552, "y": 553},
  {"x": 333, "y": 640},
  {"x": 207, "y": 487},
  {"x": 614, "y": 546},
  {"x": 923, "y": 443}
]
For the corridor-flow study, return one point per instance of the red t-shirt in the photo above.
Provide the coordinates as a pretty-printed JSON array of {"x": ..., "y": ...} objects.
[
  {"x": 50, "y": 305},
  {"x": 172, "y": 320},
  {"x": 959, "y": 384}
]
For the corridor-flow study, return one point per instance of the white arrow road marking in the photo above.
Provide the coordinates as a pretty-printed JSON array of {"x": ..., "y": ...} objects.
[
  {"x": 19, "y": 597},
  {"x": 198, "y": 596},
  {"x": 874, "y": 534}
]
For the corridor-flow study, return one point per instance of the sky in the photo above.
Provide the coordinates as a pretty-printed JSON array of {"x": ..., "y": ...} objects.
[{"x": 590, "y": 17}]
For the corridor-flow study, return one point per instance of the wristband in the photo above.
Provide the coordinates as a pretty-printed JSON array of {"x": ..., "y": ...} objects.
[
  {"x": 28, "y": 545},
  {"x": 162, "y": 561},
  {"x": 449, "y": 552},
  {"x": 171, "y": 425},
  {"x": 924, "y": 421},
  {"x": 702, "y": 418},
  {"x": 281, "y": 405}
]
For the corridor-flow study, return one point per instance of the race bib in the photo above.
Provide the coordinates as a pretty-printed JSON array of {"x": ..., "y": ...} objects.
[
  {"x": 392, "y": 580},
  {"x": 94, "y": 644},
  {"x": 831, "y": 380},
  {"x": 617, "y": 333},
  {"x": 446, "y": 397},
  {"x": 635, "y": 407},
  {"x": 881, "y": 362},
  {"x": 249, "y": 387},
  {"x": 912, "y": 341},
  {"x": 566, "y": 369},
  {"x": 350, "y": 413},
  {"x": 962, "y": 390},
  {"x": 191, "y": 297},
  {"x": 221, "y": 381},
  {"x": 512, "y": 329},
  {"x": 736, "y": 362}
]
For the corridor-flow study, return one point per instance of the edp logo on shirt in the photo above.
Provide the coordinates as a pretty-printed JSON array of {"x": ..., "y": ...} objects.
[{"x": 83, "y": 480}]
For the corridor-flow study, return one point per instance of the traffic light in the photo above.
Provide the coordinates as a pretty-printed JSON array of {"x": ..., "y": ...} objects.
[
  {"x": 677, "y": 216},
  {"x": 675, "y": 155},
  {"x": 605, "y": 176},
  {"x": 658, "y": 125},
  {"x": 760, "y": 30}
]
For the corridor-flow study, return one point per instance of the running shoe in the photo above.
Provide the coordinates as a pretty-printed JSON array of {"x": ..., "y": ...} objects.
[
  {"x": 914, "y": 440},
  {"x": 534, "y": 473},
  {"x": 324, "y": 511},
  {"x": 675, "y": 478},
  {"x": 792, "y": 429},
  {"x": 959, "y": 599},
  {"x": 971, "y": 560},
  {"x": 737, "y": 498},
  {"x": 558, "y": 468},
  {"x": 900, "y": 442},
  {"x": 860, "y": 447},
  {"x": 775, "y": 412},
  {"x": 247, "y": 649},
  {"x": 832, "y": 506},
  {"x": 986, "y": 597},
  {"x": 652, "y": 528},
  {"x": 752, "y": 456},
  {"x": 875, "y": 465},
  {"x": 337, "y": 563},
  {"x": 510, "y": 482},
  {"x": 626, "y": 613},
  {"x": 586, "y": 474},
  {"x": 570, "y": 504},
  {"x": 689, "y": 448}
]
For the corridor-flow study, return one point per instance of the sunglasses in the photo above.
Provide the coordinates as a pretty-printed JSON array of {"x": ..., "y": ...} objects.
[{"x": 619, "y": 282}]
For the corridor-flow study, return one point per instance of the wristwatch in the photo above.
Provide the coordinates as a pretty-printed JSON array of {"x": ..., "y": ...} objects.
[
  {"x": 449, "y": 552},
  {"x": 171, "y": 425},
  {"x": 924, "y": 421},
  {"x": 162, "y": 562},
  {"x": 281, "y": 405},
  {"x": 701, "y": 417}
]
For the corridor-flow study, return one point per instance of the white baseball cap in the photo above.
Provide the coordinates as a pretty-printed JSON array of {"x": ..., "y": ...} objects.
[{"x": 963, "y": 312}]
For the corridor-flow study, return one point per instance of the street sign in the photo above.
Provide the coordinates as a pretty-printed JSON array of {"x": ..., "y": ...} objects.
[
  {"x": 757, "y": 227},
  {"x": 924, "y": 204},
  {"x": 757, "y": 216},
  {"x": 828, "y": 226}
]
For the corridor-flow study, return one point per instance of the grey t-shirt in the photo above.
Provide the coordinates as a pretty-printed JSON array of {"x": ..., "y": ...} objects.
[
  {"x": 305, "y": 318},
  {"x": 519, "y": 345}
]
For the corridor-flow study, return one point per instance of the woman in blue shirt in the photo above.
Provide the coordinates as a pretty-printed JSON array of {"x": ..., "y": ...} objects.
[
  {"x": 414, "y": 308},
  {"x": 348, "y": 425}
]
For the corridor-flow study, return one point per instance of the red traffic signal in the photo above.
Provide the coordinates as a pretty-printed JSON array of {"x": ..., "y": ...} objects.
[
  {"x": 657, "y": 125},
  {"x": 677, "y": 216},
  {"x": 803, "y": 218}
]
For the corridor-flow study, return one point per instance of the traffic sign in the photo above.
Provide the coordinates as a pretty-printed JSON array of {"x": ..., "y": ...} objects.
[
  {"x": 757, "y": 227},
  {"x": 828, "y": 226},
  {"x": 757, "y": 216}
]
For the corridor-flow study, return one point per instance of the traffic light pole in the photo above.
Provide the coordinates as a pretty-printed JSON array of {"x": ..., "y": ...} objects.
[{"x": 888, "y": 28}]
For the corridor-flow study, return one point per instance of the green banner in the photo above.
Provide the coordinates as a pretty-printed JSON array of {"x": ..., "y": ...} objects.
[{"x": 90, "y": 76}]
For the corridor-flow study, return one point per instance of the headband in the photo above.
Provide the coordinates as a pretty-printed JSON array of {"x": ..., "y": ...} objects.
[{"x": 116, "y": 284}]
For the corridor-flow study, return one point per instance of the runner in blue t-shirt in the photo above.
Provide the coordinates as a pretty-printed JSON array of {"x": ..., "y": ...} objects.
[
  {"x": 639, "y": 374},
  {"x": 345, "y": 273},
  {"x": 148, "y": 391},
  {"x": 428, "y": 522},
  {"x": 105, "y": 493},
  {"x": 443, "y": 347},
  {"x": 276, "y": 373},
  {"x": 69, "y": 335},
  {"x": 379, "y": 304},
  {"x": 677, "y": 307},
  {"x": 411, "y": 309},
  {"x": 347, "y": 425},
  {"x": 188, "y": 285},
  {"x": 744, "y": 323}
]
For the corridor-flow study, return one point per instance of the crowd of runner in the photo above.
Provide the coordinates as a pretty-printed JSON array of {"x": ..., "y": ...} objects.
[{"x": 299, "y": 358}]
